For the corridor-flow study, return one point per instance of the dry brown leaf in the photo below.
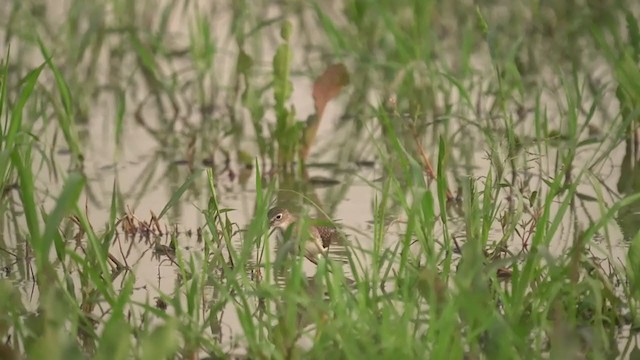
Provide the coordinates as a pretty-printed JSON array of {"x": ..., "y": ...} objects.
[{"x": 328, "y": 85}]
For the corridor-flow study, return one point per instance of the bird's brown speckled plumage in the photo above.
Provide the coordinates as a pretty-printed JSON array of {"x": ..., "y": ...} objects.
[{"x": 328, "y": 235}]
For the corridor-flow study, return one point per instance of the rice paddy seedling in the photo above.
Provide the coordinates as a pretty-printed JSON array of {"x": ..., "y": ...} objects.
[{"x": 477, "y": 162}]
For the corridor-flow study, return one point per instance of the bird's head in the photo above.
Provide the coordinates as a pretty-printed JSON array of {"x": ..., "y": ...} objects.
[{"x": 280, "y": 218}]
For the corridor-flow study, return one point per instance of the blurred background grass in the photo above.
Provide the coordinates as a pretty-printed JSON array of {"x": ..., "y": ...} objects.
[{"x": 525, "y": 114}]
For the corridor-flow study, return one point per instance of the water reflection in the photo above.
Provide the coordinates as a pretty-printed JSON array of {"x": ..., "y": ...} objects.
[{"x": 629, "y": 183}]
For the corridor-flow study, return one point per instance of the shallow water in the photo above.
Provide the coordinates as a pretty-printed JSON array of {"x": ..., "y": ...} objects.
[{"x": 148, "y": 172}]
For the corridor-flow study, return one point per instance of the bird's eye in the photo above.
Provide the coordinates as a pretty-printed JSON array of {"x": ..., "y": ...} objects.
[{"x": 279, "y": 216}]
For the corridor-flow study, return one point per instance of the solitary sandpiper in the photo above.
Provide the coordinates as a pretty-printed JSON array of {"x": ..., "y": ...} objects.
[{"x": 315, "y": 238}]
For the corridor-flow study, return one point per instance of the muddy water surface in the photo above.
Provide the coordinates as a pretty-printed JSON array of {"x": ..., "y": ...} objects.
[{"x": 148, "y": 167}]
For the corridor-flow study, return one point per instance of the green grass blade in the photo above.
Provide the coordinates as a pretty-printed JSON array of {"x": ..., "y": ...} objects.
[
  {"x": 22, "y": 164},
  {"x": 66, "y": 119},
  {"x": 65, "y": 203},
  {"x": 8, "y": 140},
  {"x": 178, "y": 193}
]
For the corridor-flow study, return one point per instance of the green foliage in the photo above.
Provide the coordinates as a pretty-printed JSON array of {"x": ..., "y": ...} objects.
[
  {"x": 286, "y": 133},
  {"x": 509, "y": 247}
]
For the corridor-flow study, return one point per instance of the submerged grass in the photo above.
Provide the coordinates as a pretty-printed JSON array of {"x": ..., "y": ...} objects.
[{"x": 516, "y": 259}]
